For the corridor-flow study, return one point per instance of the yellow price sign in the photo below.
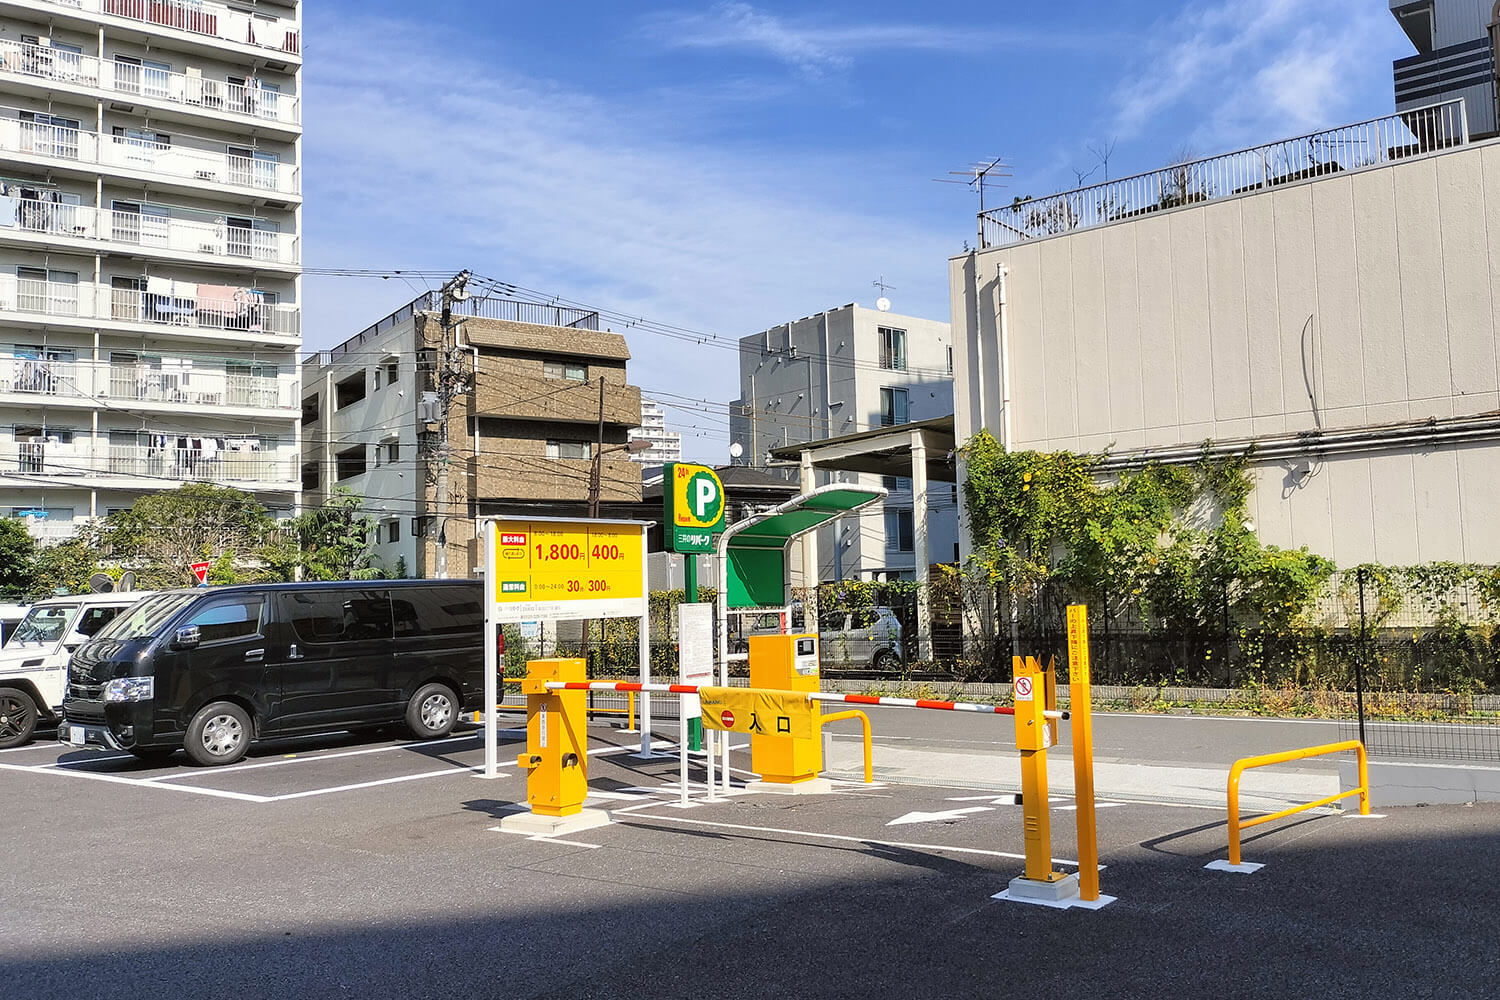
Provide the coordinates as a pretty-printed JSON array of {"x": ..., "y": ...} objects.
[
  {"x": 568, "y": 569},
  {"x": 757, "y": 712}
]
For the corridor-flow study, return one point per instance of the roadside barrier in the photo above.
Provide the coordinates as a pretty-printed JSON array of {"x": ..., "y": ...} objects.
[{"x": 1236, "y": 825}]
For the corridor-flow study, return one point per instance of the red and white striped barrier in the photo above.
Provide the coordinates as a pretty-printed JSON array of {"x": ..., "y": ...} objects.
[{"x": 848, "y": 699}]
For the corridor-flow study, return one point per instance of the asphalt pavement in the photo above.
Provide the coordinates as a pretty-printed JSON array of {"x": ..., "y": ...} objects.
[{"x": 339, "y": 867}]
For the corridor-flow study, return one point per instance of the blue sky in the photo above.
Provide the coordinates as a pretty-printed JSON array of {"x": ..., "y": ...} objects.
[{"x": 726, "y": 167}]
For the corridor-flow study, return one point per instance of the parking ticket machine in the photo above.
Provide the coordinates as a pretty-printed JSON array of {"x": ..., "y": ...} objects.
[{"x": 786, "y": 663}]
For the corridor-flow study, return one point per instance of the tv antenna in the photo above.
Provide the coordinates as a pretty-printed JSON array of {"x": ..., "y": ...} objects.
[
  {"x": 883, "y": 303},
  {"x": 977, "y": 175}
]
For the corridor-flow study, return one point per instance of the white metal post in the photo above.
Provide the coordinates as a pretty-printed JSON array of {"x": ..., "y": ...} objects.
[
  {"x": 919, "y": 544},
  {"x": 491, "y": 657}
]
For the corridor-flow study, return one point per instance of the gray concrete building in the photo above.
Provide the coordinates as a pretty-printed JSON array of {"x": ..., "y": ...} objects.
[
  {"x": 1456, "y": 42},
  {"x": 150, "y": 257},
  {"x": 834, "y": 374},
  {"x": 1337, "y": 323},
  {"x": 522, "y": 436}
]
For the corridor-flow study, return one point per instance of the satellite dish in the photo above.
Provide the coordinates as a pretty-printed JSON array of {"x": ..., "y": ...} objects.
[
  {"x": 101, "y": 583},
  {"x": 883, "y": 304},
  {"x": 736, "y": 450},
  {"x": 127, "y": 582}
]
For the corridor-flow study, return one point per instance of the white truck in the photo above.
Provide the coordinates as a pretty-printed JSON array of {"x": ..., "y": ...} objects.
[{"x": 34, "y": 659}]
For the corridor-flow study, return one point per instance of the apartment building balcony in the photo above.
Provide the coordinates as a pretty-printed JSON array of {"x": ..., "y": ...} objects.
[
  {"x": 518, "y": 397},
  {"x": 107, "y": 465},
  {"x": 49, "y": 69},
  {"x": 175, "y": 308},
  {"x": 186, "y": 162},
  {"x": 162, "y": 383},
  {"x": 185, "y": 20},
  {"x": 142, "y": 230}
]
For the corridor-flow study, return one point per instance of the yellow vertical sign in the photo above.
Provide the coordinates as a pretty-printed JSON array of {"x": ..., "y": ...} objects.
[
  {"x": 1079, "y": 698},
  {"x": 569, "y": 569}
]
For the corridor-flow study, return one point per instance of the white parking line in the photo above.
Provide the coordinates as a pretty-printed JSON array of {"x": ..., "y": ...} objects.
[
  {"x": 138, "y": 782},
  {"x": 447, "y": 771},
  {"x": 301, "y": 759},
  {"x": 839, "y": 837}
]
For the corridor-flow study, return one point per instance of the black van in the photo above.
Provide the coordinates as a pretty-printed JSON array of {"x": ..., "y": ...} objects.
[{"x": 210, "y": 670}]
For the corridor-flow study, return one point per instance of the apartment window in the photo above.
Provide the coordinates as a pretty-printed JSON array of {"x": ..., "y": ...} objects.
[
  {"x": 49, "y": 135},
  {"x": 387, "y": 452},
  {"x": 41, "y": 290},
  {"x": 389, "y": 371},
  {"x": 896, "y": 484},
  {"x": 893, "y": 349},
  {"x": 570, "y": 370},
  {"x": 310, "y": 477},
  {"x": 898, "y": 531},
  {"x": 310, "y": 410},
  {"x": 892, "y": 407},
  {"x": 350, "y": 391},
  {"x": 568, "y": 449},
  {"x": 350, "y": 463},
  {"x": 393, "y": 531}
]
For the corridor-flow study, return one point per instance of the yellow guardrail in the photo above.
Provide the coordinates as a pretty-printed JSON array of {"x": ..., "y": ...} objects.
[
  {"x": 628, "y": 711},
  {"x": 864, "y": 721},
  {"x": 1241, "y": 766}
]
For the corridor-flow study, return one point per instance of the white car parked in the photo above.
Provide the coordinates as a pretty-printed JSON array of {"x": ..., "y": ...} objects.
[{"x": 34, "y": 660}]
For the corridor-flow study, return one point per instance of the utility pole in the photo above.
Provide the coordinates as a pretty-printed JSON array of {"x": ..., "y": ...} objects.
[
  {"x": 451, "y": 382},
  {"x": 595, "y": 472}
]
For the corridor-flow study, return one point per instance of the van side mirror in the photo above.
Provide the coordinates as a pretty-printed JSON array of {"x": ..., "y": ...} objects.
[{"x": 187, "y": 638}]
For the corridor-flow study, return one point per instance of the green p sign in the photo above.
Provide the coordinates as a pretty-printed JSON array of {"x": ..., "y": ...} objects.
[{"x": 693, "y": 497}]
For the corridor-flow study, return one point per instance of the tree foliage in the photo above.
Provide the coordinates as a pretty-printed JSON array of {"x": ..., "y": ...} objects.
[
  {"x": 163, "y": 534},
  {"x": 333, "y": 541},
  {"x": 17, "y": 557},
  {"x": 1168, "y": 543}
]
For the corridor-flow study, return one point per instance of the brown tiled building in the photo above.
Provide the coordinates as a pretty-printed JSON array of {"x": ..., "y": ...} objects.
[{"x": 522, "y": 422}]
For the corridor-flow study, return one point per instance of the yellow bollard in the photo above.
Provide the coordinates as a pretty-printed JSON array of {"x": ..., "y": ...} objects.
[
  {"x": 1032, "y": 739},
  {"x": 556, "y": 757},
  {"x": 1080, "y": 702}
]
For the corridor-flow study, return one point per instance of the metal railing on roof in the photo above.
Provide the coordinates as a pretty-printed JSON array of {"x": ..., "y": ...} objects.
[
  {"x": 512, "y": 310},
  {"x": 1305, "y": 157}
]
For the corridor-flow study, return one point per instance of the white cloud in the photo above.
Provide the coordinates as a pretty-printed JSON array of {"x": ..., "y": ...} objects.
[
  {"x": 1252, "y": 70},
  {"x": 418, "y": 157},
  {"x": 817, "y": 48}
]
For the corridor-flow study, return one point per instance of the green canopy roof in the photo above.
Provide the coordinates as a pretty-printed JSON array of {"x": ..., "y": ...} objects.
[{"x": 802, "y": 514}]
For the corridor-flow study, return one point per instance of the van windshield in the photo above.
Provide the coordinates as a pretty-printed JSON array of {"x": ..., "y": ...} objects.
[
  {"x": 44, "y": 625},
  {"x": 146, "y": 617}
]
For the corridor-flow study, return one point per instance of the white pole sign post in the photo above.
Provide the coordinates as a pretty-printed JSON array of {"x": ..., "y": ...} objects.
[
  {"x": 695, "y": 666},
  {"x": 541, "y": 569}
]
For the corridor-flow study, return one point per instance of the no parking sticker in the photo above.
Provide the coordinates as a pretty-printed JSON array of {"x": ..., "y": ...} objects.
[{"x": 1023, "y": 688}]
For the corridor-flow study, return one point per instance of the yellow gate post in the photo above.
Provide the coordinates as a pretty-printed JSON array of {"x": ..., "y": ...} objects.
[
  {"x": 1080, "y": 707},
  {"x": 556, "y": 759},
  {"x": 1033, "y": 737}
]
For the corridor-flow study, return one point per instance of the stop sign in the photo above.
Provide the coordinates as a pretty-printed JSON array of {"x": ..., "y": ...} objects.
[{"x": 727, "y": 717}]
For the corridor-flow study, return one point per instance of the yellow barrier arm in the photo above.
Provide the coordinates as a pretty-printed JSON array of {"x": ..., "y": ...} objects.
[
  {"x": 1241, "y": 766},
  {"x": 864, "y": 721}
]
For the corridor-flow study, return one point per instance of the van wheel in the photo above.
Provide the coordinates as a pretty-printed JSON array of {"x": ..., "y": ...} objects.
[
  {"x": 218, "y": 734},
  {"x": 433, "y": 711},
  {"x": 17, "y": 718},
  {"x": 884, "y": 660}
]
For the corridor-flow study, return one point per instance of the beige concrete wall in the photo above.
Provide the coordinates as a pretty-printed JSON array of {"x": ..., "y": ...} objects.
[{"x": 1348, "y": 302}]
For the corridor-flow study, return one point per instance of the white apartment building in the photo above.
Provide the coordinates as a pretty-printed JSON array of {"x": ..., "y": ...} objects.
[
  {"x": 837, "y": 373},
  {"x": 666, "y": 446},
  {"x": 150, "y": 261},
  {"x": 1324, "y": 304}
]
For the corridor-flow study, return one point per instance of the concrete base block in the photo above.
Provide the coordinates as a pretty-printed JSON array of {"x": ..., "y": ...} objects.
[
  {"x": 812, "y": 786},
  {"x": 1022, "y": 887},
  {"x": 533, "y": 825},
  {"x": 1059, "y": 895},
  {"x": 1243, "y": 868},
  {"x": 1407, "y": 784}
]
